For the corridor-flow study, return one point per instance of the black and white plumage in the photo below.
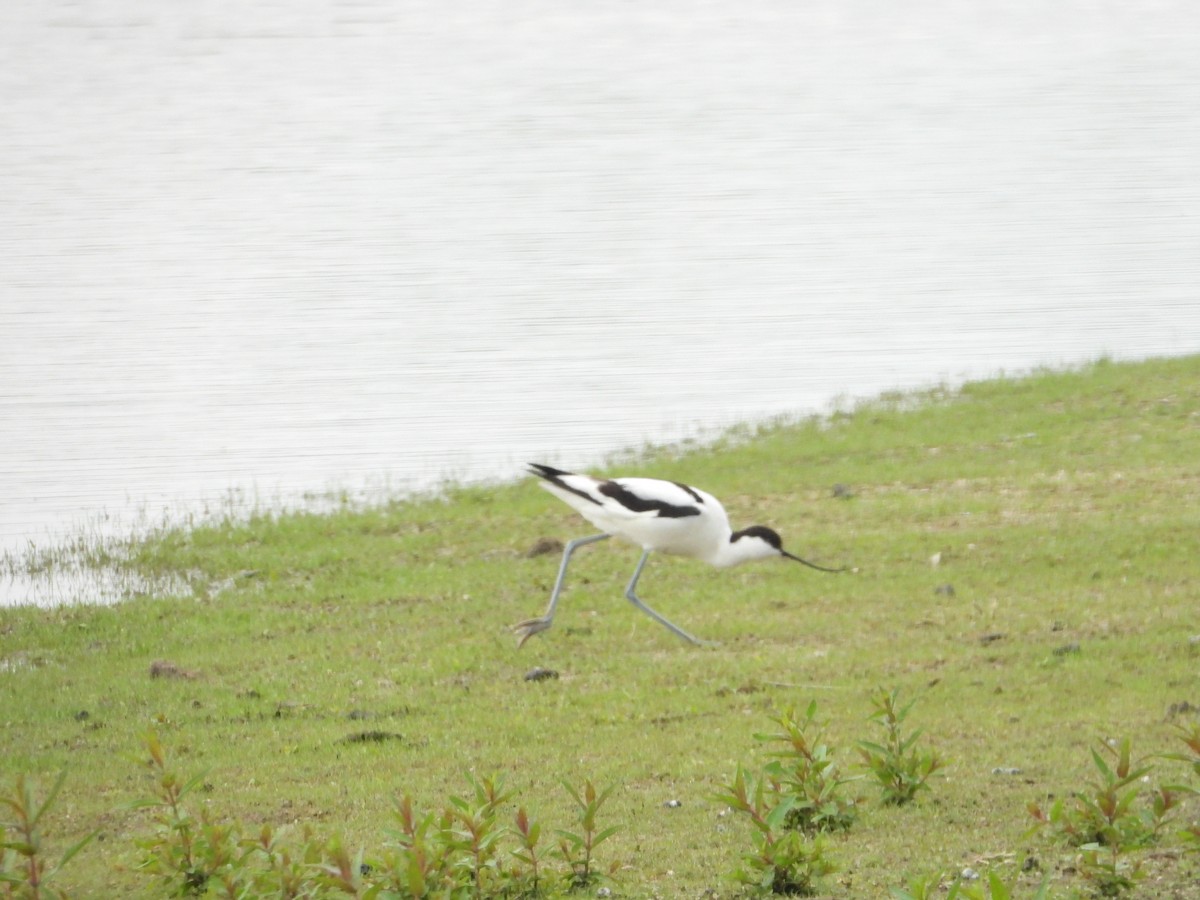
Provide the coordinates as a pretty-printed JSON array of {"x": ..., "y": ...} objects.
[{"x": 656, "y": 515}]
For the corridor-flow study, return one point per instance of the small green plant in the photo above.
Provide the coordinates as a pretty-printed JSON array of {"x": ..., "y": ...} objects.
[
  {"x": 473, "y": 835},
  {"x": 528, "y": 834},
  {"x": 197, "y": 856},
  {"x": 416, "y": 861},
  {"x": 457, "y": 854},
  {"x": 24, "y": 870},
  {"x": 270, "y": 868},
  {"x": 1109, "y": 819},
  {"x": 1192, "y": 739},
  {"x": 783, "y": 860},
  {"x": 1189, "y": 834},
  {"x": 806, "y": 770},
  {"x": 1106, "y": 813},
  {"x": 342, "y": 872},
  {"x": 920, "y": 887},
  {"x": 184, "y": 852},
  {"x": 991, "y": 887},
  {"x": 900, "y": 769},
  {"x": 577, "y": 847}
]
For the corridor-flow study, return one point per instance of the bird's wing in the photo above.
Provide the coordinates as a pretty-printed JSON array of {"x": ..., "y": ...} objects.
[
  {"x": 651, "y": 496},
  {"x": 607, "y": 502}
]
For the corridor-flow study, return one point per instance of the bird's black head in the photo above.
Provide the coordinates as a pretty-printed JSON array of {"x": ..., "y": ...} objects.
[
  {"x": 772, "y": 538},
  {"x": 761, "y": 532}
]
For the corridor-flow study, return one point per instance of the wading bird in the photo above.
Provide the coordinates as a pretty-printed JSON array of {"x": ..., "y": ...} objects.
[{"x": 656, "y": 515}]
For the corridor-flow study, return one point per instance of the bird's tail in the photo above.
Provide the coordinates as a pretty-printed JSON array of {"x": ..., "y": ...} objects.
[
  {"x": 560, "y": 483},
  {"x": 549, "y": 473}
]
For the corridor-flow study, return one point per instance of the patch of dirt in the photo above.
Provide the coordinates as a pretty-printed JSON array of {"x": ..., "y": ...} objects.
[
  {"x": 162, "y": 668},
  {"x": 371, "y": 737},
  {"x": 544, "y": 546}
]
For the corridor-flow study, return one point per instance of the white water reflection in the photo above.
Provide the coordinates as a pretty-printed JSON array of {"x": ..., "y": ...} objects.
[{"x": 310, "y": 246}]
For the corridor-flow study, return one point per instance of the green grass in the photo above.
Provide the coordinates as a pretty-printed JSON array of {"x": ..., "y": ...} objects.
[{"x": 1065, "y": 508}]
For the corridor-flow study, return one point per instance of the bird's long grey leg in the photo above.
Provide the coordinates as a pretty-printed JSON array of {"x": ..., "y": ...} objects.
[
  {"x": 527, "y": 629},
  {"x": 633, "y": 598}
]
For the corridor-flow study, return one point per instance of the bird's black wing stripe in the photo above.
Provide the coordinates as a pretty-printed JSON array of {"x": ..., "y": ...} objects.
[
  {"x": 555, "y": 477},
  {"x": 634, "y": 503},
  {"x": 691, "y": 492}
]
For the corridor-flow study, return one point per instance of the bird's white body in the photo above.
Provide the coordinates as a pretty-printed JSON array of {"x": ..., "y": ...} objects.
[
  {"x": 704, "y": 534},
  {"x": 656, "y": 515}
]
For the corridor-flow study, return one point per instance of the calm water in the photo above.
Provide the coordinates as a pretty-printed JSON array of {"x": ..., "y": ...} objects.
[{"x": 282, "y": 248}]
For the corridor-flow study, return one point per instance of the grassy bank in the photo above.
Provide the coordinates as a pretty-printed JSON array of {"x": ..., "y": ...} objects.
[{"x": 1063, "y": 512}]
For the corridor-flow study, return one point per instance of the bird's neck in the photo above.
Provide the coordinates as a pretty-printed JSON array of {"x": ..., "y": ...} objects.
[{"x": 732, "y": 553}]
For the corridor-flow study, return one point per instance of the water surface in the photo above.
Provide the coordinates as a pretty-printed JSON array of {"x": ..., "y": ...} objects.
[{"x": 274, "y": 250}]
